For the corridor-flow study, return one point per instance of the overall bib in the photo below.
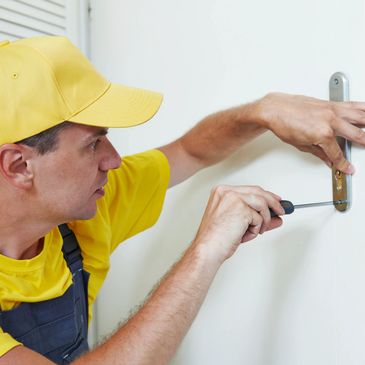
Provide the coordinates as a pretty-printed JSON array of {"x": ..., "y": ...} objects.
[{"x": 56, "y": 328}]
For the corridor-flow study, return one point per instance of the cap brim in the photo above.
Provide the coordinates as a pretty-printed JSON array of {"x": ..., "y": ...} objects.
[{"x": 120, "y": 106}]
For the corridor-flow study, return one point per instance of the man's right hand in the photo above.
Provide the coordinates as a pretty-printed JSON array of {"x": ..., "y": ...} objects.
[{"x": 236, "y": 214}]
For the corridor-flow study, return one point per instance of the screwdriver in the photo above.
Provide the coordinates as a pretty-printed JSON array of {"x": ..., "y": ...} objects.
[{"x": 289, "y": 207}]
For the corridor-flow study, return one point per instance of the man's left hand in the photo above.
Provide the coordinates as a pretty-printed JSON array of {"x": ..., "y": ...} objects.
[{"x": 311, "y": 125}]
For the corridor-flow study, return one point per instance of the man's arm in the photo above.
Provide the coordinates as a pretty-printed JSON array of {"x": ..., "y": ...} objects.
[
  {"x": 233, "y": 215},
  {"x": 309, "y": 124},
  {"x": 21, "y": 355}
]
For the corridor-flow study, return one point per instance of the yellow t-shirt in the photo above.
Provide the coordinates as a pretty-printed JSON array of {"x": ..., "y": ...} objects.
[{"x": 132, "y": 203}]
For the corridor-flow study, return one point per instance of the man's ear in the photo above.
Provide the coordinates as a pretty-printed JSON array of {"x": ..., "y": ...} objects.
[{"x": 15, "y": 165}]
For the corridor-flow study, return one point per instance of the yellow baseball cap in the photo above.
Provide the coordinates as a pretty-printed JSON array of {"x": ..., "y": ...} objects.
[{"x": 47, "y": 80}]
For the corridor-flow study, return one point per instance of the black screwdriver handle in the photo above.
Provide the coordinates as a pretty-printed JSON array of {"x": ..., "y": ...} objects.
[{"x": 287, "y": 205}]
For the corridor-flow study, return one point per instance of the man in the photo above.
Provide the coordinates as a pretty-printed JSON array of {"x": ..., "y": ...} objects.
[{"x": 57, "y": 166}]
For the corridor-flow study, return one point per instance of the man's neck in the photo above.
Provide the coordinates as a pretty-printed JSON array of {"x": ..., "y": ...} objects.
[
  {"x": 22, "y": 240},
  {"x": 19, "y": 253},
  {"x": 22, "y": 225}
]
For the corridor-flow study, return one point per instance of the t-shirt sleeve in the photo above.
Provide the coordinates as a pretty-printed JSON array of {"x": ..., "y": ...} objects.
[
  {"x": 135, "y": 194},
  {"x": 6, "y": 342}
]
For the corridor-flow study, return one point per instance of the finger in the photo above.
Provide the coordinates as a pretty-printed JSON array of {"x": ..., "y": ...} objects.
[
  {"x": 262, "y": 201},
  {"x": 354, "y": 104},
  {"x": 260, "y": 205},
  {"x": 318, "y": 152},
  {"x": 335, "y": 155},
  {"x": 248, "y": 236},
  {"x": 355, "y": 117},
  {"x": 254, "y": 228},
  {"x": 274, "y": 203},
  {"x": 256, "y": 223},
  {"x": 259, "y": 190},
  {"x": 350, "y": 132},
  {"x": 277, "y": 197},
  {"x": 272, "y": 199},
  {"x": 276, "y": 222}
]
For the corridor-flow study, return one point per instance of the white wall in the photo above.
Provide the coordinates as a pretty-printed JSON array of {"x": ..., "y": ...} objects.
[{"x": 296, "y": 295}]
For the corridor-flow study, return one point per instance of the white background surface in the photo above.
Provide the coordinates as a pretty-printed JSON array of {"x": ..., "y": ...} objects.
[{"x": 294, "y": 296}]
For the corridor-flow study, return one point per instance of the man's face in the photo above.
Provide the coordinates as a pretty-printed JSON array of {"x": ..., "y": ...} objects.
[{"x": 69, "y": 180}]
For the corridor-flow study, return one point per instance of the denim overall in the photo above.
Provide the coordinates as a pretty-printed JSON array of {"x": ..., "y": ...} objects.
[{"x": 56, "y": 328}]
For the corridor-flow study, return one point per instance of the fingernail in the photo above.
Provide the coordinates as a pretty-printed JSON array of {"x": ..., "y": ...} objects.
[{"x": 350, "y": 169}]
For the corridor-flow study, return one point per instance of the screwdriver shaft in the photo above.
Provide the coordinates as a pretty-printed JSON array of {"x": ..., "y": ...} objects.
[
  {"x": 310, "y": 205},
  {"x": 289, "y": 207}
]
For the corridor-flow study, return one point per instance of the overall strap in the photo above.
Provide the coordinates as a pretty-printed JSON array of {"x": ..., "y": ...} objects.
[
  {"x": 56, "y": 327},
  {"x": 71, "y": 249}
]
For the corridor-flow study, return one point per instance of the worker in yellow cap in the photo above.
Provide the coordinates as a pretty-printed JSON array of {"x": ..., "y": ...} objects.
[{"x": 67, "y": 201}]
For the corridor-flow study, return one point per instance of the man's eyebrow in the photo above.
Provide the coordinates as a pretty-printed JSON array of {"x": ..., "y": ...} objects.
[{"x": 98, "y": 133}]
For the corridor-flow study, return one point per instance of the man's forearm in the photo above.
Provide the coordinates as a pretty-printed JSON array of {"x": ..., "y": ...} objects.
[
  {"x": 220, "y": 134},
  {"x": 153, "y": 334},
  {"x": 213, "y": 139}
]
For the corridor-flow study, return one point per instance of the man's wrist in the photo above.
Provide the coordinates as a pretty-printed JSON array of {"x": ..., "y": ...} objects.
[
  {"x": 261, "y": 112},
  {"x": 208, "y": 254}
]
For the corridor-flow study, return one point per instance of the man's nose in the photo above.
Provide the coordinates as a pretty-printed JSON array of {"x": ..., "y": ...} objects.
[
  {"x": 115, "y": 161},
  {"x": 111, "y": 159}
]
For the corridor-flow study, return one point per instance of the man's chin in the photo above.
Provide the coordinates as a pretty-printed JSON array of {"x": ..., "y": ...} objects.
[{"x": 86, "y": 215}]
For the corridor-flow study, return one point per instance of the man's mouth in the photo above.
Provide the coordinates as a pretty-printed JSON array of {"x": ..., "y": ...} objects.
[{"x": 100, "y": 190}]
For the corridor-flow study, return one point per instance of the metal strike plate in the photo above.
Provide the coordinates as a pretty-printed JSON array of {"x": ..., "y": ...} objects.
[{"x": 341, "y": 183}]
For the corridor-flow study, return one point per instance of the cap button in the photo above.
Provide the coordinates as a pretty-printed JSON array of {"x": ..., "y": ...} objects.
[{"x": 4, "y": 43}]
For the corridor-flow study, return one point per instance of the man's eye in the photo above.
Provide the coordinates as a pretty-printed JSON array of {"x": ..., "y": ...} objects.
[{"x": 95, "y": 144}]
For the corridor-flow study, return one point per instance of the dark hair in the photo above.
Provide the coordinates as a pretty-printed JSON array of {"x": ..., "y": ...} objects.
[{"x": 46, "y": 141}]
